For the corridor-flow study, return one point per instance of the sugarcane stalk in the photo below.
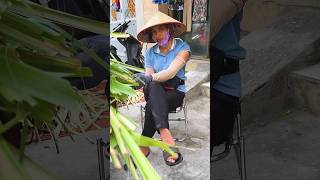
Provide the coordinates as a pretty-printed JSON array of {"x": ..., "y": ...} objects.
[
  {"x": 141, "y": 161},
  {"x": 115, "y": 125},
  {"x": 126, "y": 122},
  {"x": 114, "y": 158}
]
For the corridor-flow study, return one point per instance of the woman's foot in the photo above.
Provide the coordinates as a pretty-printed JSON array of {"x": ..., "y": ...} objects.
[
  {"x": 145, "y": 150},
  {"x": 167, "y": 138}
]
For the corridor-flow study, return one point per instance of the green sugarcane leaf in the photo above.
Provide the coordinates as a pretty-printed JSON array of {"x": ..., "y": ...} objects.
[
  {"x": 37, "y": 31},
  {"x": 24, "y": 79},
  {"x": 61, "y": 17},
  {"x": 43, "y": 112},
  {"x": 113, "y": 141},
  {"x": 36, "y": 28},
  {"x": 121, "y": 73},
  {"x": 10, "y": 166},
  {"x": 71, "y": 66},
  {"x": 26, "y": 39},
  {"x": 127, "y": 66},
  {"x": 146, "y": 141},
  {"x": 116, "y": 87},
  {"x": 140, "y": 160},
  {"x": 41, "y": 61},
  {"x": 116, "y": 68}
]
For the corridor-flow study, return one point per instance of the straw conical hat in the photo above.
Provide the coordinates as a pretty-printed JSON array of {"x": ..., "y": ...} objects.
[{"x": 158, "y": 19}]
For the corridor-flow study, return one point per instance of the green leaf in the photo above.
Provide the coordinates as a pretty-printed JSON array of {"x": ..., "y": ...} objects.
[
  {"x": 56, "y": 64},
  {"x": 146, "y": 141},
  {"x": 26, "y": 39},
  {"x": 24, "y": 79},
  {"x": 127, "y": 66},
  {"x": 42, "y": 112},
  {"x": 10, "y": 166},
  {"x": 140, "y": 160},
  {"x": 62, "y": 18},
  {"x": 118, "y": 88}
]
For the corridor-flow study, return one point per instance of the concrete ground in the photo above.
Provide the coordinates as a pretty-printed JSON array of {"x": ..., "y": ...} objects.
[
  {"x": 76, "y": 161},
  {"x": 284, "y": 148},
  {"x": 195, "y": 149}
]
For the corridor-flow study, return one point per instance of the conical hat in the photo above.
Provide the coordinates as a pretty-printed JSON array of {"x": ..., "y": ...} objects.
[{"x": 158, "y": 19}]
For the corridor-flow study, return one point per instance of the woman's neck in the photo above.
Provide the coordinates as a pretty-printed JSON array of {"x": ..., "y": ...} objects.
[{"x": 167, "y": 47}]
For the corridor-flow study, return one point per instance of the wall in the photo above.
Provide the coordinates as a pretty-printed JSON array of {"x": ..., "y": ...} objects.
[{"x": 259, "y": 13}]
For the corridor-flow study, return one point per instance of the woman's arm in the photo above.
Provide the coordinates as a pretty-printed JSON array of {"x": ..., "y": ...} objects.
[{"x": 178, "y": 63}]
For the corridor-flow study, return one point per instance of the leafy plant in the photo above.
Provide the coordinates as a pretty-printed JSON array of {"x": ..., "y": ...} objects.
[{"x": 35, "y": 57}]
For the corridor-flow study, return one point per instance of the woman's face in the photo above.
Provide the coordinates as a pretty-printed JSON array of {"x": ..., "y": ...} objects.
[{"x": 159, "y": 33}]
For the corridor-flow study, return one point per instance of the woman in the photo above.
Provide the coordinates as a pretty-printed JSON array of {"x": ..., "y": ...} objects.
[
  {"x": 225, "y": 54},
  {"x": 164, "y": 77}
]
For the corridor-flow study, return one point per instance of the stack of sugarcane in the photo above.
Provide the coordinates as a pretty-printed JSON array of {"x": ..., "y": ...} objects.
[{"x": 124, "y": 141}]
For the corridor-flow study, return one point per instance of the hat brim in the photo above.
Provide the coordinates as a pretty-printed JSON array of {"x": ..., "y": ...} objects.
[{"x": 159, "y": 18}]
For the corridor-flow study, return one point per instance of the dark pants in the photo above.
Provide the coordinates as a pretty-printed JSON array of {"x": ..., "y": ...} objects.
[
  {"x": 159, "y": 103},
  {"x": 224, "y": 111}
]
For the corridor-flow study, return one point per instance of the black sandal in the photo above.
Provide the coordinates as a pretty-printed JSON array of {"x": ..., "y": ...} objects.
[{"x": 166, "y": 155}]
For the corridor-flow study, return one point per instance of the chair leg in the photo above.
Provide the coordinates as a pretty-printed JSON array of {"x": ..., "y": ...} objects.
[
  {"x": 185, "y": 111},
  {"x": 185, "y": 118},
  {"x": 239, "y": 148},
  {"x": 237, "y": 151},
  {"x": 102, "y": 174},
  {"x": 141, "y": 116},
  {"x": 243, "y": 173},
  {"x": 221, "y": 155}
]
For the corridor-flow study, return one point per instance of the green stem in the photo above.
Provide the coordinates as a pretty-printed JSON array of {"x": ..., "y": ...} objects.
[{"x": 115, "y": 125}]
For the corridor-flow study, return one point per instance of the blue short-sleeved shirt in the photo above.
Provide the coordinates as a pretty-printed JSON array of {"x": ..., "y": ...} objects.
[
  {"x": 159, "y": 61},
  {"x": 227, "y": 40}
]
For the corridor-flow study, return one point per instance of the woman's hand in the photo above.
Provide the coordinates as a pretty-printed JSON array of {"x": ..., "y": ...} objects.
[{"x": 142, "y": 79}]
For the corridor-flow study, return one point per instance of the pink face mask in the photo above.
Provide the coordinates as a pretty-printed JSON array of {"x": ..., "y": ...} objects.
[{"x": 164, "y": 42}]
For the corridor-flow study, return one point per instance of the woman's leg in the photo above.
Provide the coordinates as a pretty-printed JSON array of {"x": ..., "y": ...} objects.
[
  {"x": 149, "y": 128},
  {"x": 224, "y": 112},
  {"x": 159, "y": 102}
]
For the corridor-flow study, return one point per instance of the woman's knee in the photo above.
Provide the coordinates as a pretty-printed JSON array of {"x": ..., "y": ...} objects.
[
  {"x": 154, "y": 84},
  {"x": 154, "y": 87}
]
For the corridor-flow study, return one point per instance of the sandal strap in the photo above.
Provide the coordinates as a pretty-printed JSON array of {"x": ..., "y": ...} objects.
[{"x": 166, "y": 154}]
